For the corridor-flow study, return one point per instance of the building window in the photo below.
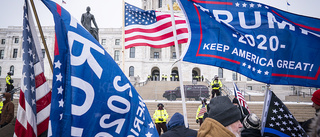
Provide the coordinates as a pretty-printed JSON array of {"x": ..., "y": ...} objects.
[
  {"x": 116, "y": 55},
  {"x": 1, "y": 54},
  {"x": 234, "y": 76},
  {"x": 43, "y": 53},
  {"x": 0, "y": 70},
  {"x": 16, "y": 40},
  {"x": 15, "y": 53},
  {"x": 220, "y": 72},
  {"x": 156, "y": 55},
  {"x": 12, "y": 70},
  {"x": 174, "y": 56},
  {"x": 131, "y": 71},
  {"x": 3, "y": 41},
  {"x": 160, "y": 3},
  {"x": 103, "y": 42},
  {"x": 132, "y": 52},
  {"x": 249, "y": 87},
  {"x": 249, "y": 79},
  {"x": 117, "y": 42}
]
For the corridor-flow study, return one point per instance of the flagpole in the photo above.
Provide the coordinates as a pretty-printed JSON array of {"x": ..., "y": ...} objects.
[
  {"x": 42, "y": 36},
  {"x": 123, "y": 40},
  {"x": 179, "y": 66},
  {"x": 264, "y": 112}
]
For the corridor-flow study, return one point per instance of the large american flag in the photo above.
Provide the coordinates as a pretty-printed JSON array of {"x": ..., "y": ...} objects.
[
  {"x": 238, "y": 95},
  {"x": 277, "y": 119},
  {"x": 152, "y": 28},
  {"x": 35, "y": 95}
]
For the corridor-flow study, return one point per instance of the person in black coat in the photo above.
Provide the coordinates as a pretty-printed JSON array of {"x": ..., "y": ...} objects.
[
  {"x": 252, "y": 126},
  {"x": 176, "y": 128},
  {"x": 243, "y": 110}
]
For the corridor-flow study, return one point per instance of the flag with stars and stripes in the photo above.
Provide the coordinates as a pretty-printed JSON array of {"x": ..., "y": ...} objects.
[
  {"x": 254, "y": 39},
  {"x": 35, "y": 95},
  {"x": 91, "y": 96},
  {"x": 277, "y": 121},
  {"x": 152, "y": 28},
  {"x": 238, "y": 95}
]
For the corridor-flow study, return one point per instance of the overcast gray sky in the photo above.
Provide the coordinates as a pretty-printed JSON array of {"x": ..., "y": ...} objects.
[{"x": 108, "y": 13}]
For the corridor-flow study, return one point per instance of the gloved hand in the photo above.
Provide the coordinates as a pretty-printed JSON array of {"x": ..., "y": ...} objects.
[{"x": 197, "y": 120}]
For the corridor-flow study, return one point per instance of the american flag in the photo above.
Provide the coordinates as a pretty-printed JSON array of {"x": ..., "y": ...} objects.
[
  {"x": 202, "y": 111},
  {"x": 239, "y": 96},
  {"x": 35, "y": 95},
  {"x": 152, "y": 28},
  {"x": 277, "y": 119}
]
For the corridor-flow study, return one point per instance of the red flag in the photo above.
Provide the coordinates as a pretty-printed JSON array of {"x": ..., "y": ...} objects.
[
  {"x": 35, "y": 95},
  {"x": 151, "y": 28}
]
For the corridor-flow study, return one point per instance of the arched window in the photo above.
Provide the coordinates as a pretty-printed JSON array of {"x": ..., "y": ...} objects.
[
  {"x": 12, "y": 70},
  {"x": 131, "y": 71},
  {"x": 220, "y": 73}
]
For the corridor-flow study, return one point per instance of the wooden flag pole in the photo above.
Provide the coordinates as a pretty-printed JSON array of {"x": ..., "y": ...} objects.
[
  {"x": 123, "y": 57},
  {"x": 42, "y": 36},
  {"x": 184, "y": 108}
]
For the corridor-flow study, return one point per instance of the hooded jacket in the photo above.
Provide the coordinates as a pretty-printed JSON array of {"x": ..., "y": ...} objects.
[
  {"x": 7, "y": 110},
  {"x": 212, "y": 128},
  {"x": 176, "y": 128}
]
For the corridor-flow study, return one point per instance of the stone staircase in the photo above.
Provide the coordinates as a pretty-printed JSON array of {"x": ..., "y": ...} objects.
[{"x": 301, "y": 111}]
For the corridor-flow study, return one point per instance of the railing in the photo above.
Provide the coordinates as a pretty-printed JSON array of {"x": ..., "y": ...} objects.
[{"x": 140, "y": 84}]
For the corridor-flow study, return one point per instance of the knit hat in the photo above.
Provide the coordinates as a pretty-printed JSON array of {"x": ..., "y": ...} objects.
[
  {"x": 223, "y": 111},
  {"x": 251, "y": 121},
  {"x": 316, "y": 97},
  {"x": 176, "y": 120},
  {"x": 235, "y": 100}
]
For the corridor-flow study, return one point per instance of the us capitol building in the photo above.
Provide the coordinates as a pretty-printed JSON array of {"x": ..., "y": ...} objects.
[{"x": 140, "y": 61}]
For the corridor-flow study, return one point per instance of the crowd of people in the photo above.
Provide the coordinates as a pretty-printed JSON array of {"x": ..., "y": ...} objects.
[{"x": 223, "y": 117}]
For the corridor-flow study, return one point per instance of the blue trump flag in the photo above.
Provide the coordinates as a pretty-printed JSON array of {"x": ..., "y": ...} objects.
[
  {"x": 91, "y": 96},
  {"x": 261, "y": 42}
]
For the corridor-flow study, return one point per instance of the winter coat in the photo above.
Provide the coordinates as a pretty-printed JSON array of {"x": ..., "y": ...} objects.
[
  {"x": 212, "y": 128},
  {"x": 176, "y": 128},
  {"x": 7, "y": 110},
  {"x": 250, "y": 133}
]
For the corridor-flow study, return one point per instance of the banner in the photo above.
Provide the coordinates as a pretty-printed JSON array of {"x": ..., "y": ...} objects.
[
  {"x": 261, "y": 42},
  {"x": 91, "y": 97}
]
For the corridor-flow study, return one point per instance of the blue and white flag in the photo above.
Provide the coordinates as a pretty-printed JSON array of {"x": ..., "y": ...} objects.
[
  {"x": 261, "y": 42},
  {"x": 91, "y": 97}
]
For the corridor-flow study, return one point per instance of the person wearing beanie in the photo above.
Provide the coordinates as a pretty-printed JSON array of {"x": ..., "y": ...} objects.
[
  {"x": 251, "y": 126},
  {"x": 316, "y": 105},
  {"x": 243, "y": 110},
  {"x": 223, "y": 119},
  {"x": 177, "y": 128}
]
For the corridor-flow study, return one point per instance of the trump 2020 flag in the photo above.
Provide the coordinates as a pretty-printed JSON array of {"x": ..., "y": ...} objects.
[
  {"x": 152, "y": 28},
  {"x": 91, "y": 97},
  {"x": 240, "y": 97},
  {"x": 277, "y": 121},
  {"x": 261, "y": 42},
  {"x": 35, "y": 95}
]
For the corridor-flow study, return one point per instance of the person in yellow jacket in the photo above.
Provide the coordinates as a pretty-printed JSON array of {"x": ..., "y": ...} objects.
[
  {"x": 1, "y": 106},
  {"x": 216, "y": 86},
  {"x": 160, "y": 116},
  {"x": 201, "y": 110},
  {"x": 9, "y": 82}
]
